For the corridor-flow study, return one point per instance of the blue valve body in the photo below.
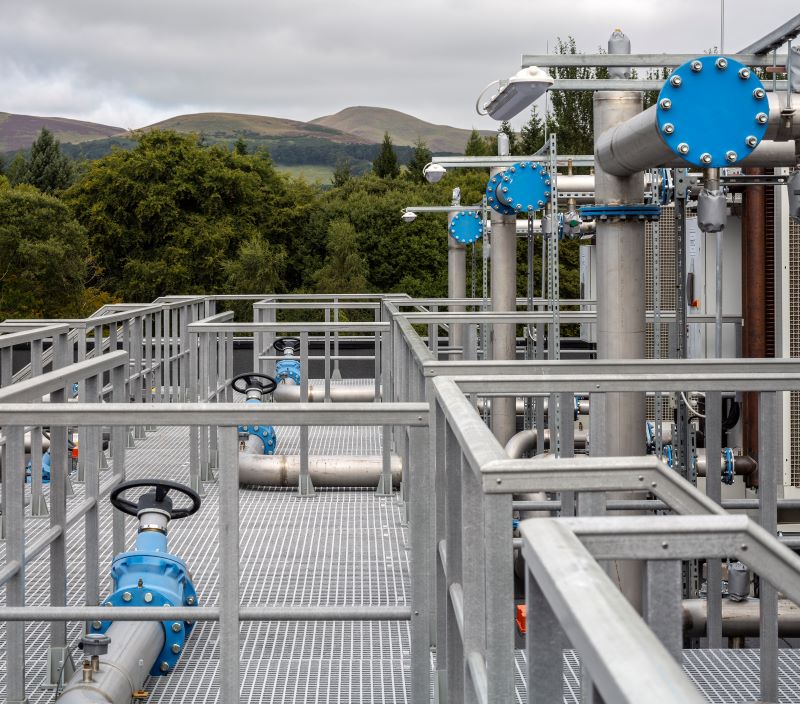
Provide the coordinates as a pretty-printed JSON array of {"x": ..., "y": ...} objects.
[
  {"x": 45, "y": 469},
  {"x": 164, "y": 580},
  {"x": 288, "y": 369},
  {"x": 266, "y": 433}
]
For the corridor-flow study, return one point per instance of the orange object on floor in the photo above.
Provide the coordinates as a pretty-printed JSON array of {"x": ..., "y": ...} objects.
[{"x": 522, "y": 617}]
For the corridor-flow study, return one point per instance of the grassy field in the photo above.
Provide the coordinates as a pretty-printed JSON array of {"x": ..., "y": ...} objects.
[{"x": 310, "y": 172}]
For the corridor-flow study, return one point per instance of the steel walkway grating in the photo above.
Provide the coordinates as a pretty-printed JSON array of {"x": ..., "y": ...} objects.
[{"x": 340, "y": 548}]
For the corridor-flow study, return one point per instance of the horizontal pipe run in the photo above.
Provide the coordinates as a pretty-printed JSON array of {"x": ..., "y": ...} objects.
[
  {"x": 739, "y": 619},
  {"x": 204, "y": 613},
  {"x": 290, "y": 393},
  {"x": 741, "y": 464},
  {"x": 336, "y": 470}
]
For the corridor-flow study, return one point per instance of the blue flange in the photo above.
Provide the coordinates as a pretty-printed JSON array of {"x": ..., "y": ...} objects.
[
  {"x": 727, "y": 470},
  {"x": 288, "y": 369},
  {"x": 266, "y": 433},
  {"x": 153, "y": 578},
  {"x": 466, "y": 227},
  {"x": 666, "y": 454},
  {"x": 523, "y": 187},
  {"x": 712, "y": 111},
  {"x": 637, "y": 211}
]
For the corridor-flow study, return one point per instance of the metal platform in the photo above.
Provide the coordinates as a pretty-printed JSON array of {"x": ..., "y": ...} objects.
[{"x": 344, "y": 547}]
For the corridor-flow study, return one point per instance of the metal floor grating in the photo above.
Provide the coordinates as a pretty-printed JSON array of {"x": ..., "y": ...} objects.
[{"x": 342, "y": 547}]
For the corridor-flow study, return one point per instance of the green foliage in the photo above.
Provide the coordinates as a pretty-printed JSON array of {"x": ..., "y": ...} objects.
[
  {"x": 385, "y": 164},
  {"x": 167, "y": 216},
  {"x": 476, "y": 145},
  {"x": 43, "y": 255},
  {"x": 342, "y": 174},
  {"x": 47, "y": 167},
  {"x": 419, "y": 159},
  {"x": 345, "y": 268},
  {"x": 240, "y": 147},
  {"x": 572, "y": 116},
  {"x": 531, "y": 136}
]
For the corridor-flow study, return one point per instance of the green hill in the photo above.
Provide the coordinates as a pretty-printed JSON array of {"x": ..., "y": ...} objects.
[
  {"x": 370, "y": 123},
  {"x": 19, "y": 131}
]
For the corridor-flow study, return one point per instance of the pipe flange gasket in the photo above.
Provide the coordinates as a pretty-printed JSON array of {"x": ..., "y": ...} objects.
[{"x": 637, "y": 211}]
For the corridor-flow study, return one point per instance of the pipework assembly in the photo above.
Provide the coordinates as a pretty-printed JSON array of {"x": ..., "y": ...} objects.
[
  {"x": 288, "y": 369},
  {"x": 522, "y": 187},
  {"x": 120, "y": 655}
]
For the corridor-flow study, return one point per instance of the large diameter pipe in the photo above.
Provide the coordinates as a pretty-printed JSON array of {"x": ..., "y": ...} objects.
[
  {"x": 621, "y": 302},
  {"x": 739, "y": 619},
  {"x": 504, "y": 299},
  {"x": 338, "y": 470},
  {"x": 290, "y": 393},
  {"x": 527, "y": 441},
  {"x": 134, "y": 647}
]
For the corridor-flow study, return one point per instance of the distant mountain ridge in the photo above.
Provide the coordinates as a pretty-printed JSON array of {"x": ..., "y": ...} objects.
[{"x": 19, "y": 131}]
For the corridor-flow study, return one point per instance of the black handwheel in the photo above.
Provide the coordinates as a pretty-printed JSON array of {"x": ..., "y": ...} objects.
[
  {"x": 293, "y": 343},
  {"x": 265, "y": 384},
  {"x": 156, "y": 499}
]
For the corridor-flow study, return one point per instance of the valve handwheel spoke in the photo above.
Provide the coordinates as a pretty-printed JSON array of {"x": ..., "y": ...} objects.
[{"x": 282, "y": 343}]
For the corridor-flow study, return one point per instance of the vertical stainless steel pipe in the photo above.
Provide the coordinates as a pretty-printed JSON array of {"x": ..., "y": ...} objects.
[
  {"x": 456, "y": 285},
  {"x": 504, "y": 296},
  {"x": 621, "y": 303}
]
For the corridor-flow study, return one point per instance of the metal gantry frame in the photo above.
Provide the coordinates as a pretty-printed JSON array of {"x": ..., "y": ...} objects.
[{"x": 458, "y": 491}]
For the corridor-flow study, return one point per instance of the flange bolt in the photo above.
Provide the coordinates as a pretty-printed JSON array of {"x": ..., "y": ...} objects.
[
  {"x": 176, "y": 627},
  {"x": 731, "y": 156},
  {"x": 751, "y": 142},
  {"x": 759, "y": 93},
  {"x": 683, "y": 148},
  {"x": 164, "y": 667},
  {"x": 697, "y": 66},
  {"x": 675, "y": 81},
  {"x": 127, "y": 596},
  {"x": 722, "y": 63},
  {"x": 762, "y": 118},
  {"x": 705, "y": 158},
  {"x": 665, "y": 103},
  {"x": 668, "y": 128},
  {"x": 744, "y": 73}
]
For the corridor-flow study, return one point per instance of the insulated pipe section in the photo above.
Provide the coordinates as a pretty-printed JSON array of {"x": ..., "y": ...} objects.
[
  {"x": 290, "y": 393},
  {"x": 134, "y": 647},
  {"x": 712, "y": 112},
  {"x": 339, "y": 470}
]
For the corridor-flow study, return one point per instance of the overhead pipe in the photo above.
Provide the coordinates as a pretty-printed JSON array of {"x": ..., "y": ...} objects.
[
  {"x": 709, "y": 101},
  {"x": 337, "y": 470}
]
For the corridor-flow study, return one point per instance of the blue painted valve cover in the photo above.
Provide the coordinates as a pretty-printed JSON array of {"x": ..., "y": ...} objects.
[
  {"x": 712, "y": 111},
  {"x": 266, "y": 433},
  {"x": 466, "y": 227},
  {"x": 522, "y": 188}
]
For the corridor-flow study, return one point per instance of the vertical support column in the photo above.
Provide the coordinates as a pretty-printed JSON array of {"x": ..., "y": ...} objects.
[
  {"x": 422, "y": 554},
  {"x": 504, "y": 297},
  {"x": 90, "y": 453},
  {"x": 621, "y": 304},
  {"x": 229, "y": 565},
  {"x": 769, "y": 473},
  {"x": 327, "y": 357},
  {"x": 203, "y": 369},
  {"x": 544, "y": 644},
  {"x": 661, "y": 602},
  {"x": 38, "y": 502},
  {"x": 138, "y": 371},
  {"x": 59, "y": 663},
  {"x": 305, "y": 485},
  {"x": 119, "y": 434},
  {"x": 714, "y": 491},
  {"x": 14, "y": 514},
  {"x": 453, "y": 562}
]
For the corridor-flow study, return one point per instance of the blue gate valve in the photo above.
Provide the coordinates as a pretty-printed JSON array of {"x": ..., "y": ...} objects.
[
  {"x": 149, "y": 575},
  {"x": 255, "y": 386},
  {"x": 289, "y": 367}
]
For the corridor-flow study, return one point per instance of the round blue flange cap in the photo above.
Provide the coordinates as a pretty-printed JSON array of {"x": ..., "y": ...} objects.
[
  {"x": 523, "y": 187},
  {"x": 712, "y": 111},
  {"x": 466, "y": 227}
]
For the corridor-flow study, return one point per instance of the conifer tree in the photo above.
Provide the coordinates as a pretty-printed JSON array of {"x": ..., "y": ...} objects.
[
  {"x": 531, "y": 136},
  {"x": 385, "y": 164},
  {"x": 342, "y": 173},
  {"x": 476, "y": 145},
  {"x": 419, "y": 159},
  {"x": 48, "y": 168},
  {"x": 240, "y": 146}
]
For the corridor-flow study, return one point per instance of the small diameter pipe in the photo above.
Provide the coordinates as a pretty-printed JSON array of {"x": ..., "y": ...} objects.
[
  {"x": 338, "y": 470},
  {"x": 134, "y": 647}
]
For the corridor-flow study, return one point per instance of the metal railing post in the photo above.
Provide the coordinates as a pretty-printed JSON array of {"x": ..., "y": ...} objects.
[{"x": 305, "y": 486}]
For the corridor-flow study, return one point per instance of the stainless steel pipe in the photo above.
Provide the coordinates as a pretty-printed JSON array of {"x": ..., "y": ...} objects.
[
  {"x": 134, "y": 647},
  {"x": 290, "y": 393},
  {"x": 741, "y": 465},
  {"x": 337, "y": 470},
  {"x": 739, "y": 619}
]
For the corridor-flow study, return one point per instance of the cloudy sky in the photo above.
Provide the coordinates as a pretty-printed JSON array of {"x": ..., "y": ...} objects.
[{"x": 133, "y": 63}]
